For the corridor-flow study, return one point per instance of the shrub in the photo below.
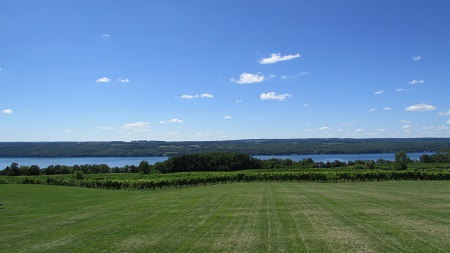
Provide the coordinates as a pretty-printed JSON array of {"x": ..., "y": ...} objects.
[{"x": 78, "y": 174}]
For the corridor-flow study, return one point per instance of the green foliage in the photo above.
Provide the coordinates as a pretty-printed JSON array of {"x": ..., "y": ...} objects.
[
  {"x": 144, "y": 167},
  {"x": 401, "y": 160},
  {"x": 253, "y": 147},
  {"x": 370, "y": 165},
  {"x": 78, "y": 175},
  {"x": 184, "y": 179},
  {"x": 214, "y": 161}
]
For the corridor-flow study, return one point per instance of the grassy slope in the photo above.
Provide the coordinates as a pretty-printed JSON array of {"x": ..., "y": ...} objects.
[{"x": 406, "y": 216}]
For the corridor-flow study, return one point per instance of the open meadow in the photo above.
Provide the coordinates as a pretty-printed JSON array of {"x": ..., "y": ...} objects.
[{"x": 390, "y": 216}]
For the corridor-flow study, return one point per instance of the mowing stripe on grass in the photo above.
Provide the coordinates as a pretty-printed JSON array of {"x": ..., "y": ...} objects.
[{"x": 243, "y": 217}]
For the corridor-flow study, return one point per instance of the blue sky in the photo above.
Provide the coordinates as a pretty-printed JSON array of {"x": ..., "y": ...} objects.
[{"x": 221, "y": 70}]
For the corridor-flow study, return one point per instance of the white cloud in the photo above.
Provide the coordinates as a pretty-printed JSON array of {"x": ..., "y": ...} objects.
[
  {"x": 1, "y": 69},
  {"x": 406, "y": 126},
  {"x": 171, "y": 121},
  {"x": 399, "y": 90},
  {"x": 104, "y": 127},
  {"x": 359, "y": 130},
  {"x": 238, "y": 101},
  {"x": 417, "y": 58},
  {"x": 277, "y": 58},
  {"x": 7, "y": 111},
  {"x": 381, "y": 130},
  {"x": 274, "y": 96},
  {"x": 304, "y": 73},
  {"x": 447, "y": 113},
  {"x": 285, "y": 77},
  {"x": 372, "y": 110},
  {"x": 305, "y": 105},
  {"x": 322, "y": 129},
  {"x": 123, "y": 80},
  {"x": 68, "y": 131},
  {"x": 387, "y": 108},
  {"x": 104, "y": 35},
  {"x": 378, "y": 92},
  {"x": 417, "y": 82},
  {"x": 137, "y": 125},
  {"x": 448, "y": 122},
  {"x": 347, "y": 124},
  {"x": 227, "y": 117},
  {"x": 103, "y": 80},
  {"x": 405, "y": 121},
  {"x": 204, "y": 95},
  {"x": 420, "y": 108},
  {"x": 248, "y": 78}
]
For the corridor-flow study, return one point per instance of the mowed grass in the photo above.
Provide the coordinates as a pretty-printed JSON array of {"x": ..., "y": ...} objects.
[{"x": 406, "y": 216}]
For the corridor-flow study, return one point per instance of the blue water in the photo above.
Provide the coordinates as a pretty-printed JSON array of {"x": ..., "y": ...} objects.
[{"x": 122, "y": 161}]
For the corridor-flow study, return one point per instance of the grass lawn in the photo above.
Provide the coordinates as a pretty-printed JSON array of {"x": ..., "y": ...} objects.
[{"x": 405, "y": 216}]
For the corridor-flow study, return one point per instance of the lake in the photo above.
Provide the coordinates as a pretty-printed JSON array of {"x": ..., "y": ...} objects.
[{"x": 122, "y": 161}]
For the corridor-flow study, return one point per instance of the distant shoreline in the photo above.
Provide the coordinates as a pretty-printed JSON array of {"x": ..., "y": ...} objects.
[{"x": 254, "y": 147}]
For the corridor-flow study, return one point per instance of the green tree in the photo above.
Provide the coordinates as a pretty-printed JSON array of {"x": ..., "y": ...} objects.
[
  {"x": 144, "y": 167},
  {"x": 370, "y": 165},
  {"x": 78, "y": 174},
  {"x": 35, "y": 170},
  {"x": 13, "y": 170},
  {"x": 401, "y": 160}
]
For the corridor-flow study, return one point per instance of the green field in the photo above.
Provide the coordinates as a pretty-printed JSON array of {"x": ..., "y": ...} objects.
[{"x": 391, "y": 216}]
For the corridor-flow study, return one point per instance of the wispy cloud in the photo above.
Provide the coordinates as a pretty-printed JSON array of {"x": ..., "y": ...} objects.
[
  {"x": 347, "y": 124},
  {"x": 103, "y": 80},
  {"x": 248, "y": 78},
  {"x": 417, "y": 58},
  {"x": 238, "y": 101},
  {"x": 171, "y": 121},
  {"x": 304, "y": 73},
  {"x": 359, "y": 130},
  {"x": 68, "y": 131},
  {"x": 417, "y": 82},
  {"x": 404, "y": 121},
  {"x": 447, "y": 113},
  {"x": 448, "y": 122},
  {"x": 322, "y": 129},
  {"x": 372, "y": 110},
  {"x": 420, "y": 108},
  {"x": 204, "y": 95},
  {"x": 137, "y": 125},
  {"x": 407, "y": 126},
  {"x": 7, "y": 111},
  {"x": 387, "y": 108},
  {"x": 104, "y": 35},
  {"x": 227, "y": 117},
  {"x": 104, "y": 127},
  {"x": 274, "y": 58},
  {"x": 123, "y": 80},
  {"x": 274, "y": 96},
  {"x": 378, "y": 92}
]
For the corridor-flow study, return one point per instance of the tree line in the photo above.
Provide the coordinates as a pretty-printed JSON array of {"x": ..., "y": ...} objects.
[
  {"x": 219, "y": 161},
  {"x": 251, "y": 147}
]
